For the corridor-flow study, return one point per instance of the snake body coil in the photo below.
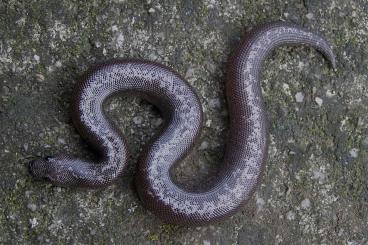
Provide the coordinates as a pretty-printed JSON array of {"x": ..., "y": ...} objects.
[{"x": 246, "y": 146}]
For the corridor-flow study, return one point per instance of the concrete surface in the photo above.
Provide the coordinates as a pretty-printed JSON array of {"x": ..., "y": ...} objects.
[{"x": 315, "y": 187}]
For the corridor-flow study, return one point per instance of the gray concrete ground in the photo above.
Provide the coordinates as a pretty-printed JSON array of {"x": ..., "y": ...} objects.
[{"x": 314, "y": 189}]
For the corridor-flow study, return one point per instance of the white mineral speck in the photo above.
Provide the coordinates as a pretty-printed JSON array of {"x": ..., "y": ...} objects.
[
  {"x": 33, "y": 222},
  {"x": 290, "y": 215},
  {"x": 138, "y": 120},
  {"x": 151, "y": 10},
  {"x": 318, "y": 100},
  {"x": 260, "y": 203},
  {"x": 299, "y": 97},
  {"x": 365, "y": 141},
  {"x": 203, "y": 146},
  {"x": 305, "y": 204},
  {"x": 190, "y": 73},
  {"x": 354, "y": 152},
  {"x": 114, "y": 28},
  {"x": 214, "y": 103},
  {"x": 61, "y": 141},
  {"x": 157, "y": 122},
  {"x": 330, "y": 93},
  {"x": 58, "y": 64},
  {"x": 32, "y": 207},
  {"x": 28, "y": 193},
  {"x": 320, "y": 176},
  {"x": 36, "y": 58},
  {"x": 205, "y": 242},
  {"x": 309, "y": 16},
  {"x": 40, "y": 77},
  {"x": 132, "y": 209},
  {"x": 301, "y": 65},
  {"x": 286, "y": 88},
  {"x": 98, "y": 44},
  {"x": 120, "y": 40},
  {"x": 6, "y": 90}
]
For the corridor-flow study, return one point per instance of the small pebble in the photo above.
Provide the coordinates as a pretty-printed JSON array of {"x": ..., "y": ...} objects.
[
  {"x": 286, "y": 88},
  {"x": 305, "y": 204},
  {"x": 33, "y": 222},
  {"x": 157, "y": 122},
  {"x": 114, "y": 28},
  {"x": 205, "y": 242},
  {"x": 319, "y": 101},
  {"x": 309, "y": 16},
  {"x": 189, "y": 73},
  {"x": 61, "y": 141},
  {"x": 132, "y": 209},
  {"x": 330, "y": 93},
  {"x": 260, "y": 203},
  {"x": 299, "y": 97},
  {"x": 354, "y": 152},
  {"x": 32, "y": 207},
  {"x": 320, "y": 176},
  {"x": 290, "y": 215},
  {"x": 152, "y": 56},
  {"x": 301, "y": 65},
  {"x": 40, "y": 77},
  {"x": 28, "y": 193},
  {"x": 36, "y": 57},
  {"x": 97, "y": 44},
  {"x": 58, "y": 64},
  {"x": 214, "y": 103},
  {"x": 138, "y": 120},
  {"x": 120, "y": 40},
  {"x": 6, "y": 90},
  {"x": 203, "y": 146},
  {"x": 365, "y": 142}
]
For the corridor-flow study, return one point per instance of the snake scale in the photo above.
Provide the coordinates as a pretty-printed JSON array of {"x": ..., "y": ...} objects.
[{"x": 246, "y": 147}]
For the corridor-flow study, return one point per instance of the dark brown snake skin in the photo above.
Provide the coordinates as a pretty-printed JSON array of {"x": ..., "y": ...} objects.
[{"x": 247, "y": 141}]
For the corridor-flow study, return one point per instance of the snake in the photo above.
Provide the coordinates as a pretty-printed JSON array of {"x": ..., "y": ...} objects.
[{"x": 246, "y": 145}]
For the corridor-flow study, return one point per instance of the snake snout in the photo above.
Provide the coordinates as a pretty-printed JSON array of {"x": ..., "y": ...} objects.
[
  {"x": 30, "y": 166},
  {"x": 38, "y": 169}
]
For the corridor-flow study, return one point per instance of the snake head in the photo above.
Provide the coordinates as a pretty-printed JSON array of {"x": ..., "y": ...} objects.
[
  {"x": 59, "y": 170},
  {"x": 43, "y": 169}
]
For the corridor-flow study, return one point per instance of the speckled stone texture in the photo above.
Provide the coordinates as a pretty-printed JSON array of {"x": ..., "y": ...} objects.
[{"x": 314, "y": 189}]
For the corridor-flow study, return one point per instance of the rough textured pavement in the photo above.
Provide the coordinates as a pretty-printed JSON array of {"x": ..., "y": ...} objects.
[{"x": 314, "y": 189}]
